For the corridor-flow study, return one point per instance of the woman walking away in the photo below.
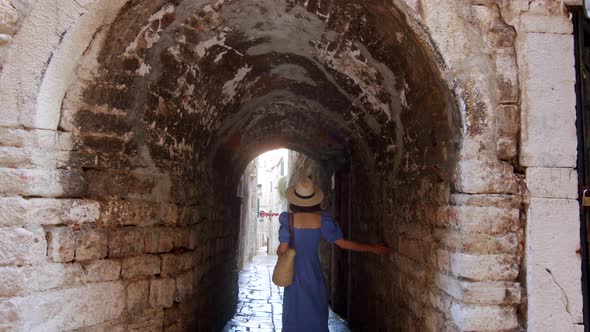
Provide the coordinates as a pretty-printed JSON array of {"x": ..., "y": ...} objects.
[{"x": 305, "y": 301}]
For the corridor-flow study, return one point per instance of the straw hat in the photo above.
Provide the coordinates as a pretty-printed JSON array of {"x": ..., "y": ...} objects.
[{"x": 304, "y": 193}]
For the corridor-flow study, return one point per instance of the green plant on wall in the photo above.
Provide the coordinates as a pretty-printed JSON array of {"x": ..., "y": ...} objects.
[{"x": 282, "y": 187}]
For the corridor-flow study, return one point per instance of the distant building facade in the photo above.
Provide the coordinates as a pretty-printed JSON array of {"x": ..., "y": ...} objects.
[{"x": 272, "y": 180}]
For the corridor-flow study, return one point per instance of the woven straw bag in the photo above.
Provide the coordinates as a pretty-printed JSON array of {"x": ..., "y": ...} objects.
[{"x": 282, "y": 275}]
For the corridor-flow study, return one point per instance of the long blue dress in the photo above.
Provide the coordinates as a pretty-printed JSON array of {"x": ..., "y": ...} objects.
[{"x": 305, "y": 302}]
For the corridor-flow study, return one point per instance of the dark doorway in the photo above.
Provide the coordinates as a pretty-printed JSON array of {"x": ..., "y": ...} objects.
[
  {"x": 341, "y": 258},
  {"x": 582, "y": 49}
]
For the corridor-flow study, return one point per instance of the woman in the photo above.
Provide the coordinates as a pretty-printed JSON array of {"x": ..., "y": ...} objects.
[{"x": 305, "y": 302}]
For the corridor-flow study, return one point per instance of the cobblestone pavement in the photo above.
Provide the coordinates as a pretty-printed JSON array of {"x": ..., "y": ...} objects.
[{"x": 260, "y": 301}]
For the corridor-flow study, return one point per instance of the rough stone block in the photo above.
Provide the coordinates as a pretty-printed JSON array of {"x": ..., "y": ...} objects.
[
  {"x": 185, "y": 261},
  {"x": 553, "y": 264},
  {"x": 507, "y": 120},
  {"x": 160, "y": 239},
  {"x": 171, "y": 215},
  {"x": 149, "y": 321},
  {"x": 20, "y": 246},
  {"x": 168, "y": 264},
  {"x": 548, "y": 134},
  {"x": 108, "y": 184},
  {"x": 61, "y": 244},
  {"x": 104, "y": 144},
  {"x": 28, "y": 279},
  {"x": 552, "y": 182},
  {"x": 42, "y": 182},
  {"x": 184, "y": 286},
  {"x": 182, "y": 191},
  {"x": 486, "y": 293},
  {"x": 11, "y": 157},
  {"x": 450, "y": 285},
  {"x": 127, "y": 213},
  {"x": 487, "y": 220},
  {"x": 507, "y": 124},
  {"x": 140, "y": 266},
  {"x": 17, "y": 211},
  {"x": 146, "y": 186},
  {"x": 484, "y": 16},
  {"x": 480, "y": 318},
  {"x": 182, "y": 238},
  {"x": 490, "y": 244},
  {"x": 171, "y": 315},
  {"x": 96, "y": 160},
  {"x": 102, "y": 123},
  {"x": 507, "y": 89},
  {"x": 47, "y": 139},
  {"x": 67, "y": 309},
  {"x": 137, "y": 296},
  {"x": 162, "y": 292},
  {"x": 91, "y": 244},
  {"x": 484, "y": 267},
  {"x": 403, "y": 263},
  {"x": 188, "y": 216},
  {"x": 480, "y": 177},
  {"x": 537, "y": 22},
  {"x": 507, "y": 148},
  {"x": 498, "y": 201},
  {"x": 102, "y": 270},
  {"x": 491, "y": 292},
  {"x": 444, "y": 22},
  {"x": 10, "y": 314},
  {"x": 126, "y": 242},
  {"x": 417, "y": 250}
]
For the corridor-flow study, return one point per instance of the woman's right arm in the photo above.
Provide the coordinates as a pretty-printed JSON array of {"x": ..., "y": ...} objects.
[
  {"x": 284, "y": 235},
  {"x": 282, "y": 248},
  {"x": 378, "y": 249}
]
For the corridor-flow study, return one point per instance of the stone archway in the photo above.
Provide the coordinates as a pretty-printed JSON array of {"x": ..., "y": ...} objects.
[{"x": 128, "y": 123}]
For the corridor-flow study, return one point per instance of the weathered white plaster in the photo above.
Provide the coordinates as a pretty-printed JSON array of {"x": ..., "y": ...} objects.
[
  {"x": 41, "y": 61},
  {"x": 28, "y": 57}
]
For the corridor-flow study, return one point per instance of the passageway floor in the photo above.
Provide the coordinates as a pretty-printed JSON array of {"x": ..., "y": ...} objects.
[{"x": 260, "y": 302}]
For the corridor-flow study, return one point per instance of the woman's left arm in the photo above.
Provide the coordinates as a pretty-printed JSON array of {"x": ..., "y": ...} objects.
[{"x": 379, "y": 249}]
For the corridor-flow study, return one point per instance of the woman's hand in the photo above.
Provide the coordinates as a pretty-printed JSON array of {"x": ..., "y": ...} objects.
[{"x": 379, "y": 249}]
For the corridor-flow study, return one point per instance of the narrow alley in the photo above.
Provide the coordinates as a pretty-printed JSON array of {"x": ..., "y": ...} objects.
[{"x": 260, "y": 302}]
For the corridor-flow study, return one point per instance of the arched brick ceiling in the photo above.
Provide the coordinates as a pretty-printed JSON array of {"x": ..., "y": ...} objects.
[{"x": 236, "y": 78}]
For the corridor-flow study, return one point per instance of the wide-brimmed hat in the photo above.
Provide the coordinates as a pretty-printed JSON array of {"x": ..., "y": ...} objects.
[{"x": 304, "y": 193}]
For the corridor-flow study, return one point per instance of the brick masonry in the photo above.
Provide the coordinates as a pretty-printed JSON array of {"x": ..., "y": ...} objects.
[{"x": 125, "y": 126}]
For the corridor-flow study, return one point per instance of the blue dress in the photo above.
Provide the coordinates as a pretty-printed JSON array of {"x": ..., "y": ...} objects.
[{"x": 305, "y": 302}]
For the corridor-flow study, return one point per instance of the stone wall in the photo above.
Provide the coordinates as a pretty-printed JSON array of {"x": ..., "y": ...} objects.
[
  {"x": 459, "y": 241},
  {"x": 248, "y": 193},
  {"x": 548, "y": 155},
  {"x": 125, "y": 127}
]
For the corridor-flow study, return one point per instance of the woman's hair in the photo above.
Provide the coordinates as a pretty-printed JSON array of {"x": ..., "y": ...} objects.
[{"x": 297, "y": 208}]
